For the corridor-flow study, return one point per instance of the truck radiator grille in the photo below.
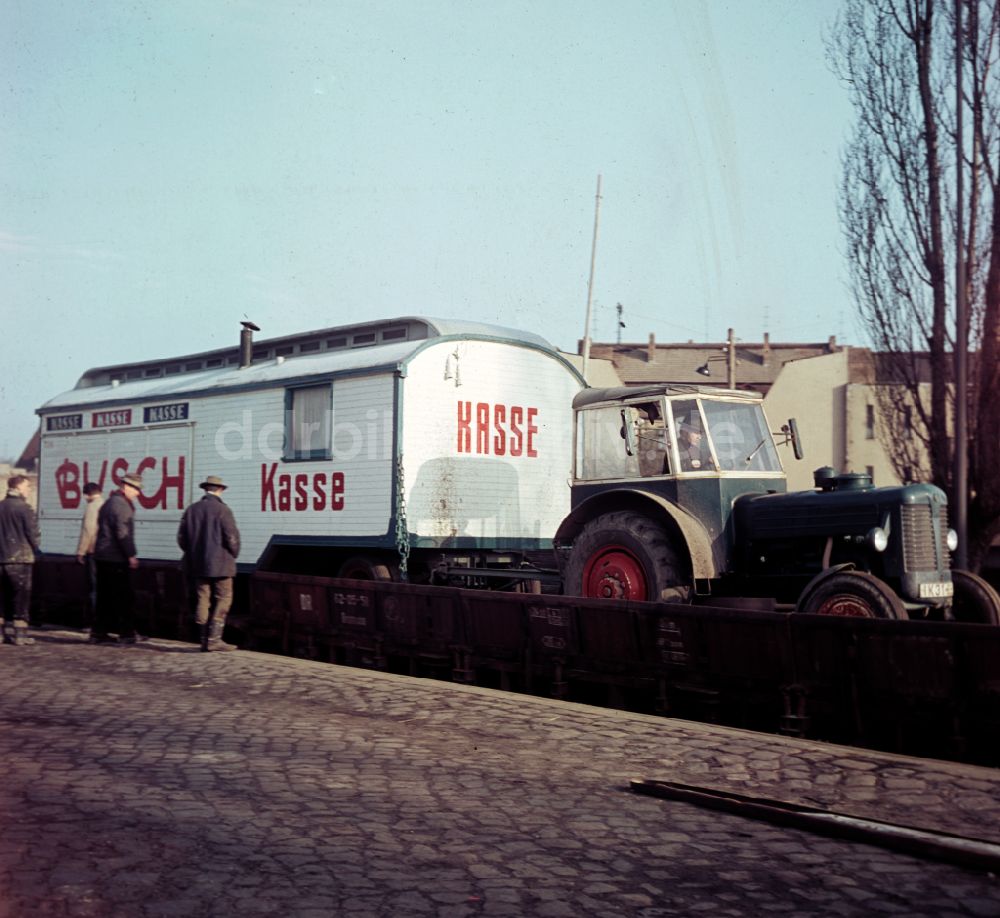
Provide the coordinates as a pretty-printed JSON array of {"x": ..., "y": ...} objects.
[{"x": 923, "y": 548}]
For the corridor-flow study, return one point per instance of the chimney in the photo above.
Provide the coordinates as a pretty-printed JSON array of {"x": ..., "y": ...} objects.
[
  {"x": 831, "y": 345},
  {"x": 767, "y": 349},
  {"x": 246, "y": 344},
  {"x": 651, "y": 351}
]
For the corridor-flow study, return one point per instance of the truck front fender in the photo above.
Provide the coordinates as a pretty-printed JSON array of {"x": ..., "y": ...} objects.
[
  {"x": 707, "y": 555},
  {"x": 819, "y": 578}
]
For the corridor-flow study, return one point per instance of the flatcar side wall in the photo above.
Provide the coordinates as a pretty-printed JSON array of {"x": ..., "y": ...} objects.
[{"x": 487, "y": 444}]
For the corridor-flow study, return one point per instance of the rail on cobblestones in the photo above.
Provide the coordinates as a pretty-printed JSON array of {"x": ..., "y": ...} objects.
[{"x": 920, "y": 688}]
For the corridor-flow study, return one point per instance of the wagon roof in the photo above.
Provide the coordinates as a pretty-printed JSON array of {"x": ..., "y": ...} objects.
[{"x": 107, "y": 385}]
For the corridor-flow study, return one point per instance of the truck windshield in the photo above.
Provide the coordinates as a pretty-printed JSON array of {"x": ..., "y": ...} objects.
[{"x": 740, "y": 437}]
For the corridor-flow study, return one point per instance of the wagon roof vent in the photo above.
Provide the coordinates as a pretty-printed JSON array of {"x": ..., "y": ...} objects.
[{"x": 246, "y": 344}]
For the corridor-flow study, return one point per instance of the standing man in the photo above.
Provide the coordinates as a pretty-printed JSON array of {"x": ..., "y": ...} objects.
[
  {"x": 19, "y": 540},
  {"x": 116, "y": 558},
  {"x": 88, "y": 541},
  {"x": 211, "y": 543}
]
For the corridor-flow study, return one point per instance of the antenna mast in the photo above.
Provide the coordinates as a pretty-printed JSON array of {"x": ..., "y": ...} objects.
[{"x": 590, "y": 283}]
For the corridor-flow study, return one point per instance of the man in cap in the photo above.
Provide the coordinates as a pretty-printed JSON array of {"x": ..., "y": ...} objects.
[
  {"x": 18, "y": 545},
  {"x": 211, "y": 543},
  {"x": 116, "y": 558},
  {"x": 694, "y": 455}
]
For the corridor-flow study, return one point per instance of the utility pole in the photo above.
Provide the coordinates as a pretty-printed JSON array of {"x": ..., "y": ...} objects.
[
  {"x": 960, "y": 477},
  {"x": 730, "y": 360},
  {"x": 621, "y": 324},
  {"x": 590, "y": 283}
]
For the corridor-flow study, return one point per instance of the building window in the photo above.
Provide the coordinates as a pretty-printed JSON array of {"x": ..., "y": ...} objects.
[
  {"x": 336, "y": 342},
  {"x": 307, "y": 422},
  {"x": 394, "y": 334},
  {"x": 308, "y": 346},
  {"x": 363, "y": 340},
  {"x": 870, "y": 422}
]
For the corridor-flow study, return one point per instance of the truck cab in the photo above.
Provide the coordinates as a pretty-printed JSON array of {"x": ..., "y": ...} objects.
[{"x": 679, "y": 494}]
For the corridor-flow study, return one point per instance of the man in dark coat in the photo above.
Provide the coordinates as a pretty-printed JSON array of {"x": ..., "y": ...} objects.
[
  {"x": 211, "y": 543},
  {"x": 19, "y": 540},
  {"x": 116, "y": 558}
]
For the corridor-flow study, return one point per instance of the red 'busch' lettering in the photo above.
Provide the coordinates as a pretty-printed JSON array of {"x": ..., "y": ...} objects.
[
  {"x": 286, "y": 492},
  {"x": 68, "y": 481},
  {"x": 500, "y": 430}
]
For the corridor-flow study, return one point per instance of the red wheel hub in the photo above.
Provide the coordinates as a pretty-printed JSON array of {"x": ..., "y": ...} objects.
[
  {"x": 615, "y": 573},
  {"x": 846, "y": 605}
]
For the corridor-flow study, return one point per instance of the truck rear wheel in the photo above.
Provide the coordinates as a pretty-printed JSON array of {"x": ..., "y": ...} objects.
[
  {"x": 626, "y": 555},
  {"x": 854, "y": 594},
  {"x": 363, "y": 567},
  {"x": 975, "y": 600}
]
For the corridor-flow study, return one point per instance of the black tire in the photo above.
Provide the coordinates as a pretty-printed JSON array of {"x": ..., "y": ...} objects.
[
  {"x": 626, "y": 555},
  {"x": 853, "y": 594},
  {"x": 975, "y": 600},
  {"x": 364, "y": 567}
]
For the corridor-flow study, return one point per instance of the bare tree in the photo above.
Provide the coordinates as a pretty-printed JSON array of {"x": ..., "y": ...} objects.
[{"x": 897, "y": 208}]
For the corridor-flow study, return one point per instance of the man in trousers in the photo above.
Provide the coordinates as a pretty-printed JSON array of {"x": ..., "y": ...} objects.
[
  {"x": 211, "y": 543},
  {"x": 116, "y": 559},
  {"x": 18, "y": 546}
]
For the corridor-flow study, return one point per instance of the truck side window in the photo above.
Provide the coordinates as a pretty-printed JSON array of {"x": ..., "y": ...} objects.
[
  {"x": 654, "y": 454},
  {"x": 692, "y": 444},
  {"x": 600, "y": 445}
]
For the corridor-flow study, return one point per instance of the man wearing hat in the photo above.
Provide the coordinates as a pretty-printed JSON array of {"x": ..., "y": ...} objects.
[
  {"x": 211, "y": 543},
  {"x": 694, "y": 455},
  {"x": 116, "y": 558},
  {"x": 19, "y": 540}
]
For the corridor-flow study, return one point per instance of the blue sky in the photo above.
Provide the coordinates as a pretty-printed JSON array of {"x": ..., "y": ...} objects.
[{"x": 169, "y": 167}]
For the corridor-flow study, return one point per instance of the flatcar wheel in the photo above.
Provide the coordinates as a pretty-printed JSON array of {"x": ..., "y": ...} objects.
[
  {"x": 853, "y": 594},
  {"x": 628, "y": 556},
  {"x": 363, "y": 567},
  {"x": 975, "y": 600}
]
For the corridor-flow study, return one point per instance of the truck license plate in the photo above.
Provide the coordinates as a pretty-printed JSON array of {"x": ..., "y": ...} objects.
[{"x": 936, "y": 590}]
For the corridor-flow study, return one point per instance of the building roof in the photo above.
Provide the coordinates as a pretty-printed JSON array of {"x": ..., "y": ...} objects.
[
  {"x": 29, "y": 457},
  {"x": 757, "y": 365}
]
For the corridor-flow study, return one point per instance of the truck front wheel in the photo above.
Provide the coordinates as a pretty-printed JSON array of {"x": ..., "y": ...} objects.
[
  {"x": 975, "y": 600},
  {"x": 626, "y": 555},
  {"x": 854, "y": 594}
]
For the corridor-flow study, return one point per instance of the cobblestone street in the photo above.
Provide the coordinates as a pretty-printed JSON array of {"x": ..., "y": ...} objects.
[{"x": 158, "y": 781}]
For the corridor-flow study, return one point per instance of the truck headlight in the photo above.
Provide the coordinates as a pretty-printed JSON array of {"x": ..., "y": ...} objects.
[
  {"x": 951, "y": 540},
  {"x": 877, "y": 539}
]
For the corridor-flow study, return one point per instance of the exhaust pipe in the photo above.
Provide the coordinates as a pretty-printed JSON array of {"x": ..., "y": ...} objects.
[{"x": 246, "y": 344}]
